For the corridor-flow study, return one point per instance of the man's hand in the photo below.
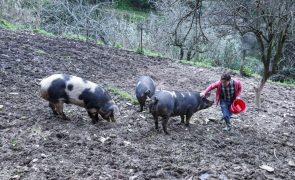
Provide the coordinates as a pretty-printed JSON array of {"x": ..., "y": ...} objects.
[{"x": 202, "y": 94}]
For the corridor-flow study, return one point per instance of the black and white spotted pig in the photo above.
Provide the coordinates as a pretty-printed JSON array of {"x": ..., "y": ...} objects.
[
  {"x": 62, "y": 88},
  {"x": 173, "y": 103},
  {"x": 145, "y": 87}
]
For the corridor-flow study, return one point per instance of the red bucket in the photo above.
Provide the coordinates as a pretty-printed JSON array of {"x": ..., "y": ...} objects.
[{"x": 237, "y": 106}]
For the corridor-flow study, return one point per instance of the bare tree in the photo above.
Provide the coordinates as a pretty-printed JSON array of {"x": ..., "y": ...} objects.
[
  {"x": 185, "y": 19},
  {"x": 271, "y": 21}
]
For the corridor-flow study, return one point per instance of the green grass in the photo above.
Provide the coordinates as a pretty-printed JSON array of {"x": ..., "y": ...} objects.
[
  {"x": 70, "y": 35},
  {"x": 204, "y": 64},
  {"x": 122, "y": 94},
  {"x": 99, "y": 42},
  {"x": 15, "y": 27},
  {"x": 149, "y": 53},
  {"x": 125, "y": 8},
  {"x": 117, "y": 45},
  {"x": 13, "y": 142},
  {"x": 42, "y": 32},
  {"x": 285, "y": 83},
  {"x": 7, "y": 25}
]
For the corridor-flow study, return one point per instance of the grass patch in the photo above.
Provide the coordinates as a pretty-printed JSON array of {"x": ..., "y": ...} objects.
[
  {"x": 42, "y": 32},
  {"x": 149, "y": 53},
  {"x": 13, "y": 142},
  {"x": 285, "y": 83},
  {"x": 99, "y": 42},
  {"x": 70, "y": 35},
  {"x": 7, "y": 25},
  {"x": 117, "y": 45},
  {"x": 122, "y": 94},
  {"x": 129, "y": 11},
  {"x": 203, "y": 64}
]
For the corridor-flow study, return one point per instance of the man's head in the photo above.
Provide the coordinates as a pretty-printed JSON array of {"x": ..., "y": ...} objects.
[{"x": 225, "y": 79}]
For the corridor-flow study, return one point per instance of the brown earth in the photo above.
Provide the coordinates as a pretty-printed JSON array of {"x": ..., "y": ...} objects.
[{"x": 34, "y": 144}]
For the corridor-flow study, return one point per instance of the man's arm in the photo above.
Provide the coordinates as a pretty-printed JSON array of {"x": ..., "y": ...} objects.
[{"x": 210, "y": 88}]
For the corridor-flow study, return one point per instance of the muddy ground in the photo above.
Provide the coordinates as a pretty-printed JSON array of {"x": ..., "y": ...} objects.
[{"x": 34, "y": 144}]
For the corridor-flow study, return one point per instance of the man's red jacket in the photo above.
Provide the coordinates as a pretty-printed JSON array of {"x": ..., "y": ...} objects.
[{"x": 218, "y": 84}]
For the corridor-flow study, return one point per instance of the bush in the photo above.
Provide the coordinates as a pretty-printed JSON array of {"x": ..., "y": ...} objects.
[
  {"x": 247, "y": 71},
  {"x": 138, "y": 4},
  {"x": 284, "y": 75}
]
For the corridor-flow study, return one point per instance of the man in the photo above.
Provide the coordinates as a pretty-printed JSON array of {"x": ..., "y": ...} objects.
[{"x": 227, "y": 91}]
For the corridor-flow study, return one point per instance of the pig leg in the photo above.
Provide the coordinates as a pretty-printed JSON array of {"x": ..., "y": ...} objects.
[
  {"x": 182, "y": 119},
  {"x": 93, "y": 116},
  {"x": 164, "y": 124},
  {"x": 60, "y": 109},
  {"x": 156, "y": 121},
  {"x": 52, "y": 106},
  {"x": 188, "y": 117},
  {"x": 142, "y": 104},
  {"x": 141, "y": 107}
]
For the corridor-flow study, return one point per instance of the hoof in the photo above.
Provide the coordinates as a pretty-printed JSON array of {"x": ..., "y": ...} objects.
[
  {"x": 94, "y": 121},
  {"x": 167, "y": 133}
]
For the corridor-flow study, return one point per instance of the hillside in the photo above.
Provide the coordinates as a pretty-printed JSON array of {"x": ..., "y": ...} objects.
[{"x": 36, "y": 145}]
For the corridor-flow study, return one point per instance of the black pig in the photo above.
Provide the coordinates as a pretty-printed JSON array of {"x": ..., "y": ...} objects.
[
  {"x": 145, "y": 87},
  {"x": 62, "y": 88},
  {"x": 173, "y": 103}
]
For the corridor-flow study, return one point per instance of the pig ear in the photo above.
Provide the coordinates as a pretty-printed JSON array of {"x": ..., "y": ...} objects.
[{"x": 147, "y": 92}]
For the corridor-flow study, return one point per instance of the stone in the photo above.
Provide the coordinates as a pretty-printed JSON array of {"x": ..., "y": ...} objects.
[{"x": 267, "y": 168}]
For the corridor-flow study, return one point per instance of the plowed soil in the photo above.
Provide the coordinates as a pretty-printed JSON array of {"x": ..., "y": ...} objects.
[{"x": 34, "y": 144}]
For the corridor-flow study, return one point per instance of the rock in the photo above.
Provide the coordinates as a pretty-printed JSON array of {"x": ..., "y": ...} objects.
[
  {"x": 204, "y": 176},
  {"x": 5, "y": 55},
  {"x": 160, "y": 172},
  {"x": 291, "y": 163},
  {"x": 13, "y": 93},
  {"x": 113, "y": 136},
  {"x": 1, "y": 107},
  {"x": 212, "y": 119},
  {"x": 142, "y": 116},
  {"x": 267, "y": 168},
  {"x": 43, "y": 155},
  {"x": 15, "y": 177},
  {"x": 102, "y": 139},
  {"x": 23, "y": 118},
  {"x": 129, "y": 104},
  {"x": 34, "y": 160},
  {"x": 237, "y": 168},
  {"x": 129, "y": 130},
  {"x": 203, "y": 121},
  {"x": 127, "y": 143},
  {"x": 88, "y": 138},
  {"x": 136, "y": 176}
]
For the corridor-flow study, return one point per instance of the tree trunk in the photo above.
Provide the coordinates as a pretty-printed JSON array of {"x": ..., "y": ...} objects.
[
  {"x": 189, "y": 55},
  {"x": 242, "y": 73},
  {"x": 181, "y": 53},
  {"x": 258, "y": 91}
]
